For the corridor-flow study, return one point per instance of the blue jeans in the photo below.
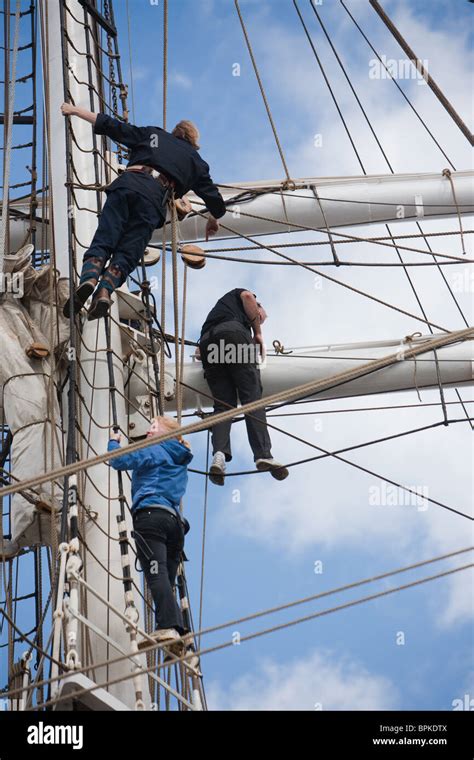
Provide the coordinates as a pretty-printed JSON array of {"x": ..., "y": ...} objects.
[
  {"x": 126, "y": 225},
  {"x": 159, "y": 539}
]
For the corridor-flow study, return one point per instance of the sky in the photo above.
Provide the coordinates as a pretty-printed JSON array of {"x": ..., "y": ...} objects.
[
  {"x": 268, "y": 543},
  {"x": 263, "y": 538}
]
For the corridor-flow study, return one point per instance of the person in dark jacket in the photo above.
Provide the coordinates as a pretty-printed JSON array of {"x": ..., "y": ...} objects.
[
  {"x": 136, "y": 201},
  {"x": 229, "y": 354},
  {"x": 159, "y": 479}
]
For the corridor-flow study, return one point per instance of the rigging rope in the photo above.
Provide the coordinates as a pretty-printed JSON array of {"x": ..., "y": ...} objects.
[
  {"x": 446, "y": 173},
  {"x": 394, "y": 80},
  {"x": 262, "y": 90},
  {"x": 130, "y": 61},
  {"x": 315, "y": 597},
  {"x": 421, "y": 69},
  {"x": 299, "y": 391},
  {"x": 322, "y": 274},
  {"x": 161, "y": 404},
  {"x": 174, "y": 255},
  {"x": 8, "y": 142},
  {"x": 203, "y": 543},
  {"x": 179, "y": 360}
]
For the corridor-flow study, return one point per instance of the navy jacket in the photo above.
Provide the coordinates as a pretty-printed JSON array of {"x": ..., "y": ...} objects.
[
  {"x": 159, "y": 473},
  {"x": 163, "y": 151}
]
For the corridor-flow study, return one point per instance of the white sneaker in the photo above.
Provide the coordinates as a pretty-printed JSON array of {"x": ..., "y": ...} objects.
[
  {"x": 192, "y": 662},
  {"x": 168, "y": 636},
  {"x": 277, "y": 470},
  {"x": 217, "y": 469}
]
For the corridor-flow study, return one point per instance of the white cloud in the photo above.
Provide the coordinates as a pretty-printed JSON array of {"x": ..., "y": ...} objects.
[
  {"x": 295, "y": 86},
  {"x": 318, "y": 681},
  {"x": 181, "y": 80},
  {"x": 326, "y": 503},
  {"x": 140, "y": 73}
]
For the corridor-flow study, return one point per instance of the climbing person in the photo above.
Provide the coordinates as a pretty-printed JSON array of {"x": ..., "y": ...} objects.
[
  {"x": 159, "y": 479},
  {"x": 229, "y": 355},
  {"x": 136, "y": 201}
]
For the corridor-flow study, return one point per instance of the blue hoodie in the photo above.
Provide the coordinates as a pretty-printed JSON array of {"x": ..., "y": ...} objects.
[{"x": 159, "y": 472}]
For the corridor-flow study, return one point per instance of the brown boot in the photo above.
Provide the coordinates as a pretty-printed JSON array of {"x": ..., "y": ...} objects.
[
  {"x": 89, "y": 278},
  {"x": 100, "y": 304},
  {"x": 112, "y": 278}
]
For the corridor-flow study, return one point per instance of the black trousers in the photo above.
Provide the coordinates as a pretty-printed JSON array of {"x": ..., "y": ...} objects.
[
  {"x": 227, "y": 381},
  {"x": 159, "y": 539},
  {"x": 126, "y": 225}
]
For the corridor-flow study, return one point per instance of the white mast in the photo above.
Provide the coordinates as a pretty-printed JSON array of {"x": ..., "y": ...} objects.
[
  {"x": 95, "y": 380},
  {"x": 319, "y": 203}
]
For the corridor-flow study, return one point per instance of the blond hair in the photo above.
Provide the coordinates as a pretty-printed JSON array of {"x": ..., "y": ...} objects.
[
  {"x": 172, "y": 424},
  {"x": 187, "y": 130}
]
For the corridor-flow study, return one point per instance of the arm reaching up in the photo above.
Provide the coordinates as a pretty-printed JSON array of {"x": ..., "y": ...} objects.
[
  {"x": 118, "y": 131},
  {"x": 67, "y": 109}
]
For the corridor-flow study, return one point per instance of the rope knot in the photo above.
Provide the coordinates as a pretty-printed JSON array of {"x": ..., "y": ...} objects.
[
  {"x": 409, "y": 338},
  {"x": 280, "y": 348},
  {"x": 285, "y": 185}
]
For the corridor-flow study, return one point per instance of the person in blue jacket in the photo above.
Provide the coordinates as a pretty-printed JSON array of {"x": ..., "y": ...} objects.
[
  {"x": 159, "y": 479},
  {"x": 136, "y": 201}
]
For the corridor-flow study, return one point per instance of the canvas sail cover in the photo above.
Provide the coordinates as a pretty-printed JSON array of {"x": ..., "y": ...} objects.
[{"x": 28, "y": 402}]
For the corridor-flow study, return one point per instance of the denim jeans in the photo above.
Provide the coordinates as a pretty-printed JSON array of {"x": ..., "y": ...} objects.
[
  {"x": 126, "y": 225},
  {"x": 159, "y": 540}
]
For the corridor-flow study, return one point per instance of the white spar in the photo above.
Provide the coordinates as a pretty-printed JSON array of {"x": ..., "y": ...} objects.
[
  {"x": 321, "y": 202},
  {"x": 456, "y": 368},
  {"x": 340, "y": 202}
]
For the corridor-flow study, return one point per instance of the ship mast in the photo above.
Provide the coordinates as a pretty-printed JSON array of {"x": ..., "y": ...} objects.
[
  {"x": 97, "y": 588},
  {"x": 72, "y": 221}
]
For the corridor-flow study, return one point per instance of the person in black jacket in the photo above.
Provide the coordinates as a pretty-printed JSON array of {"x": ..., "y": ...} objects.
[
  {"x": 229, "y": 354},
  {"x": 136, "y": 201}
]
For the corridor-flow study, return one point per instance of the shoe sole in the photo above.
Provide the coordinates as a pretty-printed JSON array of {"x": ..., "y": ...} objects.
[
  {"x": 279, "y": 473},
  {"x": 99, "y": 309},
  {"x": 144, "y": 644},
  {"x": 216, "y": 475},
  {"x": 192, "y": 669},
  {"x": 168, "y": 644},
  {"x": 175, "y": 649},
  {"x": 79, "y": 298}
]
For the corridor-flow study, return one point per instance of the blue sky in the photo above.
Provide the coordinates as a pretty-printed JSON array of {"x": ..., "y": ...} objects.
[
  {"x": 263, "y": 537},
  {"x": 248, "y": 567}
]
